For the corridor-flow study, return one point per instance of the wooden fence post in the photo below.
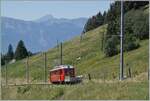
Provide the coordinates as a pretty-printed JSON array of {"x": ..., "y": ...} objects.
[
  {"x": 104, "y": 74},
  {"x": 89, "y": 76},
  {"x": 129, "y": 72},
  {"x": 148, "y": 73}
]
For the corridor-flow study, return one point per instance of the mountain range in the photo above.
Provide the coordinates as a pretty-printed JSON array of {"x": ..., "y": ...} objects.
[{"x": 41, "y": 34}]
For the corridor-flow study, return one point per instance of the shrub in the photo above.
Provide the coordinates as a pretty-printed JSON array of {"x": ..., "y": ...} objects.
[
  {"x": 131, "y": 43},
  {"x": 111, "y": 46},
  {"x": 141, "y": 25}
]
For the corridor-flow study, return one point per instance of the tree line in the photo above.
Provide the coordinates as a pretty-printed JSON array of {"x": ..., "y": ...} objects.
[
  {"x": 20, "y": 53},
  {"x": 95, "y": 21},
  {"x": 136, "y": 27}
]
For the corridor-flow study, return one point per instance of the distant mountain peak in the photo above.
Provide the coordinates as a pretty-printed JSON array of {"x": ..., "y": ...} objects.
[
  {"x": 50, "y": 16},
  {"x": 45, "y": 18}
]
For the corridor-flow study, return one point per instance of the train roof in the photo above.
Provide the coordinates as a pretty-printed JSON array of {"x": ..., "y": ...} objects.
[{"x": 61, "y": 67}]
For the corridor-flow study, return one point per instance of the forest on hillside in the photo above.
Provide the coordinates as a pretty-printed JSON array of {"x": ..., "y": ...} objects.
[{"x": 136, "y": 26}]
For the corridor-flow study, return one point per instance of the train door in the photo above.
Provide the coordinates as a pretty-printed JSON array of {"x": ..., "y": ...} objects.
[{"x": 69, "y": 74}]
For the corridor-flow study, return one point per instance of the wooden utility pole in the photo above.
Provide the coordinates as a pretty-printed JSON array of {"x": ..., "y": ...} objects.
[
  {"x": 6, "y": 73},
  {"x": 81, "y": 38},
  {"x": 121, "y": 42},
  {"x": 102, "y": 41},
  {"x": 27, "y": 70},
  {"x": 61, "y": 57},
  {"x": 58, "y": 62},
  {"x": 45, "y": 67}
]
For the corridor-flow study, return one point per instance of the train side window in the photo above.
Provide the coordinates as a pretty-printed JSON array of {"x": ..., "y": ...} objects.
[
  {"x": 53, "y": 72},
  {"x": 57, "y": 72}
]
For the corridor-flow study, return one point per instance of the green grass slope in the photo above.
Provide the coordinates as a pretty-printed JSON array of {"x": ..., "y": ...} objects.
[
  {"x": 92, "y": 61},
  {"x": 84, "y": 91}
]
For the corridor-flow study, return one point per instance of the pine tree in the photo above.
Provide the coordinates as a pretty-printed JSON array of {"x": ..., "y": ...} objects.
[
  {"x": 3, "y": 59},
  {"x": 99, "y": 19},
  {"x": 94, "y": 22},
  {"x": 105, "y": 17},
  {"x": 88, "y": 26},
  {"x": 21, "y": 51},
  {"x": 10, "y": 53}
]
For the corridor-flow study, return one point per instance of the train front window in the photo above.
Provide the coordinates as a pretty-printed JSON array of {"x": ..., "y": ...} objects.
[{"x": 69, "y": 72}]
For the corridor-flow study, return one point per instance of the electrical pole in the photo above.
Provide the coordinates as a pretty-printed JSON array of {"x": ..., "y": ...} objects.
[
  {"x": 58, "y": 62},
  {"x": 61, "y": 53},
  {"x": 121, "y": 42},
  {"x": 6, "y": 72},
  {"x": 45, "y": 67},
  {"x": 27, "y": 69}
]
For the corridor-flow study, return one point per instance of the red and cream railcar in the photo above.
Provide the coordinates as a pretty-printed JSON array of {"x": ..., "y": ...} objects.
[{"x": 62, "y": 74}]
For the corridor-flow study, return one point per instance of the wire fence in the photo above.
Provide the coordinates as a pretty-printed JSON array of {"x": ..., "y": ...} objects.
[
  {"x": 28, "y": 75},
  {"x": 25, "y": 72}
]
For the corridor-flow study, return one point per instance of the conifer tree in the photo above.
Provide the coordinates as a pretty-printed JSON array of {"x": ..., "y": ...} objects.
[
  {"x": 21, "y": 51},
  {"x": 10, "y": 53}
]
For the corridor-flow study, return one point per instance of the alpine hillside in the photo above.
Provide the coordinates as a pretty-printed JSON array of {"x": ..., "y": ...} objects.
[{"x": 41, "y": 34}]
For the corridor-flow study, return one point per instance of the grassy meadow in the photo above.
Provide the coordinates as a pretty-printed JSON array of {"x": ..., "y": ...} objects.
[{"x": 133, "y": 89}]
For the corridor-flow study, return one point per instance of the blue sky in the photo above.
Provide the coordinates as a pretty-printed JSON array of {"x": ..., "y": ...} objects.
[{"x": 32, "y": 10}]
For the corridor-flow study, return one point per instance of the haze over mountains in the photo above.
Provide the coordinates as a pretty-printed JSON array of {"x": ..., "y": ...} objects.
[{"x": 40, "y": 34}]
